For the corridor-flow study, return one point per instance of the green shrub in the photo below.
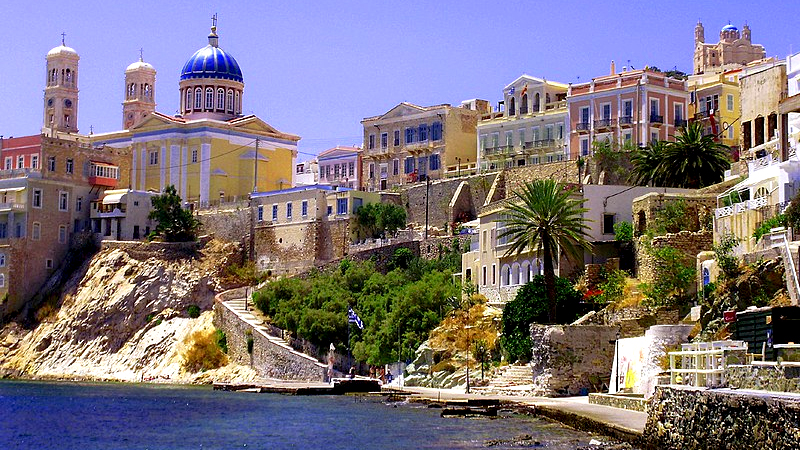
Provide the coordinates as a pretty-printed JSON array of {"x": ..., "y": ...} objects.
[
  {"x": 613, "y": 288},
  {"x": 778, "y": 221},
  {"x": 530, "y": 306},
  {"x": 675, "y": 274},
  {"x": 193, "y": 311},
  {"x": 723, "y": 251},
  {"x": 222, "y": 340},
  {"x": 250, "y": 342},
  {"x": 623, "y": 231}
]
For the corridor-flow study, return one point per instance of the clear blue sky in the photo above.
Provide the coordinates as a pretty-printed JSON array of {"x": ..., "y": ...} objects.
[{"x": 317, "y": 68}]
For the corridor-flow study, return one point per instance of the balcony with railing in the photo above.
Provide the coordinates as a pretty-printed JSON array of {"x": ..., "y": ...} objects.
[
  {"x": 680, "y": 122},
  {"x": 9, "y": 207},
  {"x": 497, "y": 152},
  {"x": 540, "y": 145},
  {"x": 604, "y": 124},
  {"x": 582, "y": 127},
  {"x": 749, "y": 205},
  {"x": 626, "y": 121},
  {"x": 103, "y": 174},
  {"x": 656, "y": 120}
]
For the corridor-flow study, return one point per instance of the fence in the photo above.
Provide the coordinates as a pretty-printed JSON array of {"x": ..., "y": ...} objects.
[{"x": 702, "y": 364}]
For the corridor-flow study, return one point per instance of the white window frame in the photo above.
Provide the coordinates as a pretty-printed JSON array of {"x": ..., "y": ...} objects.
[
  {"x": 34, "y": 161},
  {"x": 34, "y": 202},
  {"x": 2, "y": 259},
  {"x": 63, "y": 200},
  {"x": 730, "y": 102},
  {"x": 62, "y": 234}
]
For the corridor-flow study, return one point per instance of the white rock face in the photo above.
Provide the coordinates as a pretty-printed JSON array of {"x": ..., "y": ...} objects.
[{"x": 122, "y": 319}]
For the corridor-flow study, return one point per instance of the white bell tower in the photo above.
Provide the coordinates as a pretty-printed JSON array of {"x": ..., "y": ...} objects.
[
  {"x": 61, "y": 89},
  {"x": 140, "y": 93}
]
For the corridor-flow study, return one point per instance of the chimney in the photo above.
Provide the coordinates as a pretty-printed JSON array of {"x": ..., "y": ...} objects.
[{"x": 613, "y": 68}]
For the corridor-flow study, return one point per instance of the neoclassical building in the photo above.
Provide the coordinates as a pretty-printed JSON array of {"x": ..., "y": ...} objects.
[
  {"x": 210, "y": 152},
  {"x": 733, "y": 50}
]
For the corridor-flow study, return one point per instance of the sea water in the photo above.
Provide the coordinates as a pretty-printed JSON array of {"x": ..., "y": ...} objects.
[{"x": 65, "y": 415}]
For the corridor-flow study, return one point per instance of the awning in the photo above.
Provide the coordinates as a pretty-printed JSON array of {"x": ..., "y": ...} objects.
[
  {"x": 113, "y": 199},
  {"x": 14, "y": 189}
]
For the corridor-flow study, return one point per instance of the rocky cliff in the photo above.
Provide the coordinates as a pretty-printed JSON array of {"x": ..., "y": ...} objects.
[{"x": 124, "y": 316}]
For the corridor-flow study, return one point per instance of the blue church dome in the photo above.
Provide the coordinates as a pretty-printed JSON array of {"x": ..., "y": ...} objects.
[
  {"x": 729, "y": 27},
  {"x": 212, "y": 62}
]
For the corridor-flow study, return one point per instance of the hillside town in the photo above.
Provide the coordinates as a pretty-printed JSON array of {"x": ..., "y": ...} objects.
[{"x": 629, "y": 239}]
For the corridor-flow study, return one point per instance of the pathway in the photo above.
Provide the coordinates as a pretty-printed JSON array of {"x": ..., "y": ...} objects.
[{"x": 574, "y": 411}]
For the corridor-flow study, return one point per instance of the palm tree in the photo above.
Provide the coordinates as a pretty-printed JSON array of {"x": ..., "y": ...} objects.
[
  {"x": 646, "y": 162},
  {"x": 544, "y": 214},
  {"x": 694, "y": 160}
]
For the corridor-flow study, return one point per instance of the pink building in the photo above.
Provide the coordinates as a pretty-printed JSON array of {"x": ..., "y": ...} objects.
[
  {"x": 340, "y": 166},
  {"x": 635, "y": 106},
  {"x": 20, "y": 153}
]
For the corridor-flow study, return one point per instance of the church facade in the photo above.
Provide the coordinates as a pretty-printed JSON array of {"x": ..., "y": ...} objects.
[
  {"x": 733, "y": 50},
  {"x": 210, "y": 152}
]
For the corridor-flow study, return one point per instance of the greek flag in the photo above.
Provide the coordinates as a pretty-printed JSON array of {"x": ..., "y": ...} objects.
[{"x": 352, "y": 317}]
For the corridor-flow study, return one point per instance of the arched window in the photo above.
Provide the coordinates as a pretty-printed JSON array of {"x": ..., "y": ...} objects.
[
  {"x": 536, "y": 102},
  {"x": 761, "y": 192},
  {"x": 230, "y": 100},
  {"x": 512, "y": 110},
  {"x": 221, "y": 99},
  {"x": 188, "y": 105},
  {"x": 148, "y": 91},
  {"x": 209, "y": 99},
  {"x": 68, "y": 77},
  {"x": 2, "y": 280},
  {"x": 505, "y": 275},
  {"x": 547, "y": 97},
  {"x": 198, "y": 99},
  {"x": 706, "y": 276},
  {"x": 131, "y": 90},
  {"x": 525, "y": 275},
  {"x": 238, "y": 105},
  {"x": 2, "y": 259},
  {"x": 523, "y": 104},
  {"x": 515, "y": 275}
]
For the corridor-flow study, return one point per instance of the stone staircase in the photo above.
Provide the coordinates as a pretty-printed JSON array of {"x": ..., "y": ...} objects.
[
  {"x": 512, "y": 379},
  {"x": 257, "y": 320},
  {"x": 254, "y": 318}
]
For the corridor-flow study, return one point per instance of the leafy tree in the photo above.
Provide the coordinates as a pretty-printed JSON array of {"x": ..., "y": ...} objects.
[
  {"x": 531, "y": 305},
  {"x": 175, "y": 223},
  {"x": 613, "y": 288},
  {"x": 726, "y": 260},
  {"x": 398, "y": 308},
  {"x": 673, "y": 217},
  {"x": 793, "y": 212},
  {"x": 375, "y": 219},
  {"x": 544, "y": 214},
  {"x": 623, "y": 231}
]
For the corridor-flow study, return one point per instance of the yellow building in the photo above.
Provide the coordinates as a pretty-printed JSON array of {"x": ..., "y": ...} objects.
[
  {"x": 208, "y": 151},
  {"x": 717, "y": 93}
]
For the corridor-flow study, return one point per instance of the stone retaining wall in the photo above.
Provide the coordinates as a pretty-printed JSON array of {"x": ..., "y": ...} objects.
[
  {"x": 269, "y": 359},
  {"x": 768, "y": 377},
  {"x": 569, "y": 358},
  {"x": 699, "y": 419},
  {"x": 228, "y": 224},
  {"x": 635, "y": 320},
  {"x": 629, "y": 402},
  {"x": 690, "y": 243}
]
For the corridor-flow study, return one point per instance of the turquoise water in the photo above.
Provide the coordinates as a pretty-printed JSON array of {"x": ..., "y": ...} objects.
[{"x": 35, "y": 415}]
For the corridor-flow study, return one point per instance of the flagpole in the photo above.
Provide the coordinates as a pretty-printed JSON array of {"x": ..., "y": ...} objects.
[{"x": 349, "y": 356}]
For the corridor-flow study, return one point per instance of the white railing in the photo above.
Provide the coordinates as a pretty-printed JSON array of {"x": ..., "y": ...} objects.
[
  {"x": 756, "y": 203},
  {"x": 702, "y": 364},
  {"x": 725, "y": 211}
]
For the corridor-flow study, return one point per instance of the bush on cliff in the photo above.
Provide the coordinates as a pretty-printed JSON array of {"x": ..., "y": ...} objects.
[{"x": 203, "y": 351}]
